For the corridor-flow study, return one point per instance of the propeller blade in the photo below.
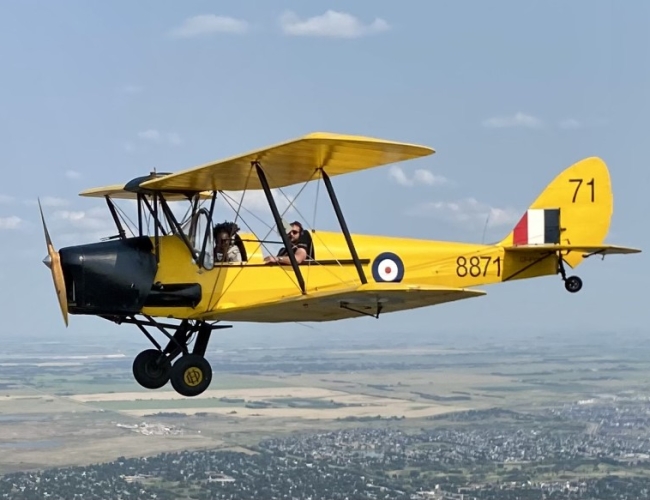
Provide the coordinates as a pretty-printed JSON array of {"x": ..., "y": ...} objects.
[{"x": 53, "y": 261}]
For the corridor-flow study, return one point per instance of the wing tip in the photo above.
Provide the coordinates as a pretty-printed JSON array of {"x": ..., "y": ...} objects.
[
  {"x": 613, "y": 250},
  {"x": 421, "y": 149}
]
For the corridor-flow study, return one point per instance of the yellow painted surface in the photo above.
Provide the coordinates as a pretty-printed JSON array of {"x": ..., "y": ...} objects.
[
  {"x": 434, "y": 271},
  {"x": 118, "y": 192},
  {"x": 292, "y": 162},
  {"x": 583, "y": 192}
]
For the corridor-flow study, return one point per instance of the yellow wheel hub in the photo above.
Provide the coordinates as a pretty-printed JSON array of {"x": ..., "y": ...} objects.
[{"x": 193, "y": 376}]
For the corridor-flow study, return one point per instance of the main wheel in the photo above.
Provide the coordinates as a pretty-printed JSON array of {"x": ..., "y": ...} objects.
[
  {"x": 191, "y": 375},
  {"x": 151, "y": 370},
  {"x": 573, "y": 284}
]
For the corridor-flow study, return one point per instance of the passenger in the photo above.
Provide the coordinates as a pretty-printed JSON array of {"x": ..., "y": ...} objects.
[
  {"x": 299, "y": 248},
  {"x": 225, "y": 249}
]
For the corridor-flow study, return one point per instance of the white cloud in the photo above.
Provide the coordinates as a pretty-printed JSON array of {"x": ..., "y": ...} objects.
[
  {"x": 420, "y": 177},
  {"x": 330, "y": 24},
  {"x": 52, "y": 201},
  {"x": 93, "y": 219},
  {"x": 80, "y": 226},
  {"x": 255, "y": 201},
  {"x": 6, "y": 199},
  {"x": 573, "y": 123},
  {"x": 151, "y": 135},
  {"x": 174, "y": 139},
  {"x": 517, "y": 120},
  {"x": 156, "y": 136},
  {"x": 208, "y": 24},
  {"x": 467, "y": 211},
  {"x": 48, "y": 201},
  {"x": 72, "y": 174},
  {"x": 570, "y": 123},
  {"x": 11, "y": 222}
]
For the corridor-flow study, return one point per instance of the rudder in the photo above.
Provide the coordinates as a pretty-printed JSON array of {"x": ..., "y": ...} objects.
[{"x": 575, "y": 208}]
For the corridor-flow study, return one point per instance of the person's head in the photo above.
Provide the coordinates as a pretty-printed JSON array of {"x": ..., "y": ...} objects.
[
  {"x": 295, "y": 231},
  {"x": 225, "y": 230},
  {"x": 223, "y": 240}
]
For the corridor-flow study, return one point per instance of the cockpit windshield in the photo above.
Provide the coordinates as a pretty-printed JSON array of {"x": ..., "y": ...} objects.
[{"x": 198, "y": 231}]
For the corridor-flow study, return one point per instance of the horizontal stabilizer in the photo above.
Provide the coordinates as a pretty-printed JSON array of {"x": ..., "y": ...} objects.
[
  {"x": 588, "y": 250},
  {"x": 370, "y": 299}
]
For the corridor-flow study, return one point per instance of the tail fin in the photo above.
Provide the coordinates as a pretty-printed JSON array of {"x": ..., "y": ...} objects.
[{"x": 575, "y": 209}]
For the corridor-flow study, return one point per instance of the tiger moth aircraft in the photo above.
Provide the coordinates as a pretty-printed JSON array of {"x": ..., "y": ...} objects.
[{"x": 172, "y": 268}]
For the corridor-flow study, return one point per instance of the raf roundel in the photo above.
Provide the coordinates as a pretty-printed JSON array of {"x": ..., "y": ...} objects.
[{"x": 388, "y": 267}]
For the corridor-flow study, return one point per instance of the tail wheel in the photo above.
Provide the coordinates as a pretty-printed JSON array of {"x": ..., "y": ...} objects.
[
  {"x": 151, "y": 369},
  {"x": 573, "y": 284},
  {"x": 191, "y": 375}
]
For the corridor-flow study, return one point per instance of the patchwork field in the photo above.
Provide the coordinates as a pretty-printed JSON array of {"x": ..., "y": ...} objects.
[
  {"x": 60, "y": 409},
  {"x": 286, "y": 402}
]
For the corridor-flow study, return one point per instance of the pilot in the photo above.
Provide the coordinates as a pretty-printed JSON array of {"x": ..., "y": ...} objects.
[
  {"x": 299, "y": 248},
  {"x": 225, "y": 249}
]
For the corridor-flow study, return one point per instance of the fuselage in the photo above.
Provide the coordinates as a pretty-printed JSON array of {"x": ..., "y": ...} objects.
[{"x": 136, "y": 276}]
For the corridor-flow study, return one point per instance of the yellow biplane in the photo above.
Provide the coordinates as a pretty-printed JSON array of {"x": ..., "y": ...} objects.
[{"x": 182, "y": 272}]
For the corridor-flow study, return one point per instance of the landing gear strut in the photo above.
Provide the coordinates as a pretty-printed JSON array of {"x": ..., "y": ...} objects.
[
  {"x": 572, "y": 284},
  {"x": 191, "y": 374}
]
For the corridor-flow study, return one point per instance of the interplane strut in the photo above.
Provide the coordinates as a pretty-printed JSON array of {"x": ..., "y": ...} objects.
[{"x": 278, "y": 222}]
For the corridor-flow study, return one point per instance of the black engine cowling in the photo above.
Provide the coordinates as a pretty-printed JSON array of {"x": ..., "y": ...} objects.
[{"x": 109, "y": 277}]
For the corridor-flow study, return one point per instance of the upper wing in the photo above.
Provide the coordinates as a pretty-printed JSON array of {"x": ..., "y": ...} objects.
[
  {"x": 117, "y": 191},
  {"x": 369, "y": 299},
  {"x": 291, "y": 162},
  {"x": 588, "y": 250}
]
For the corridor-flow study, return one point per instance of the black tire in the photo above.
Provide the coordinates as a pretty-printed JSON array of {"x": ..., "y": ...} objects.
[
  {"x": 150, "y": 370},
  {"x": 573, "y": 284},
  {"x": 191, "y": 375}
]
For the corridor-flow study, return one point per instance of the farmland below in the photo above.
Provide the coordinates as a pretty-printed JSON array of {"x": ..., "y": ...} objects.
[{"x": 59, "y": 408}]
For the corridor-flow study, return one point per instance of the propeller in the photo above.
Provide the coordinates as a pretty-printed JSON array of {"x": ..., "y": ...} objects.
[{"x": 53, "y": 261}]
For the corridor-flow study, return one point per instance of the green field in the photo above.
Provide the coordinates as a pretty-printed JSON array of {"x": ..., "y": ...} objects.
[{"x": 91, "y": 409}]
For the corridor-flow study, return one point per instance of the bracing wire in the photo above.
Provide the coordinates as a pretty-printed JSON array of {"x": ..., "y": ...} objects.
[
  {"x": 241, "y": 201},
  {"x": 316, "y": 234}
]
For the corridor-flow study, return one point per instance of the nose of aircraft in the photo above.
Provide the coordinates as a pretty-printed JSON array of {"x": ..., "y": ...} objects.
[{"x": 53, "y": 262}]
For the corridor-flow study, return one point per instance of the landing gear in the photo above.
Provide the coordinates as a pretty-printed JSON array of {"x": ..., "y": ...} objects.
[
  {"x": 572, "y": 284},
  {"x": 191, "y": 374},
  {"x": 151, "y": 369}
]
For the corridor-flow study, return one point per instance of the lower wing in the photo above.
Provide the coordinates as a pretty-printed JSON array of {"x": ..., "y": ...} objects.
[{"x": 371, "y": 299}]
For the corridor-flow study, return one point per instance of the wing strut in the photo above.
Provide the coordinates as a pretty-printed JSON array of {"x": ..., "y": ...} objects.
[
  {"x": 344, "y": 226},
  {"x": 278, "y": 223},
  {"x": 116, "y": 219}
]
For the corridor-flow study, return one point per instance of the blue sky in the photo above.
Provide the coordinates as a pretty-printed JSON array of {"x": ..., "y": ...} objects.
[{"x": 508, "y": 93}]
